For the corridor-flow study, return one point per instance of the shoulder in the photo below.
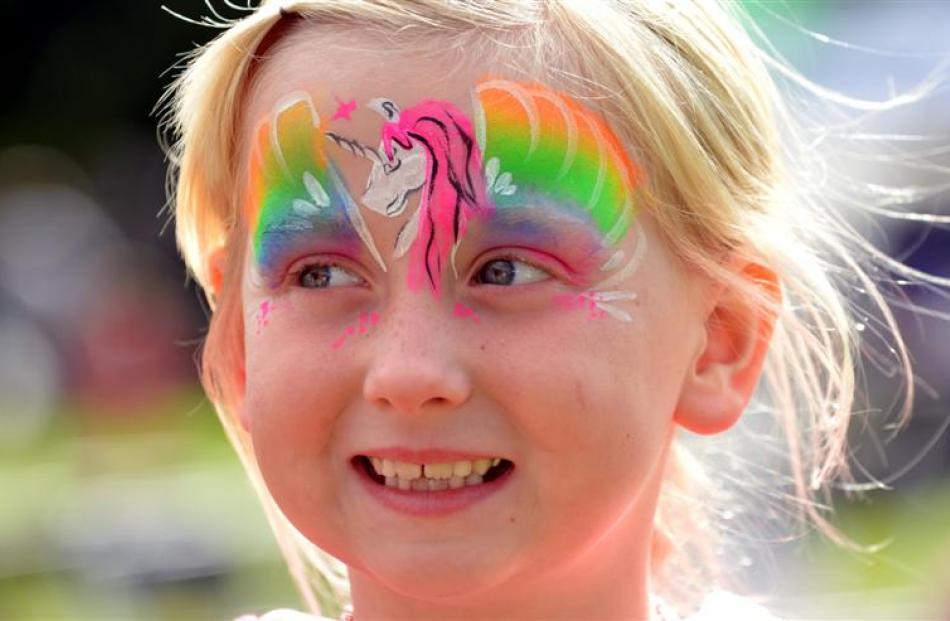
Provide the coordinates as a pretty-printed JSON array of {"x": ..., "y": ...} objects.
[{"x": 283, "y": 614}]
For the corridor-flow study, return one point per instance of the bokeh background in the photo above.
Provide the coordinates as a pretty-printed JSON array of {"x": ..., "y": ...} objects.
[{"x": 119, "y": 496}]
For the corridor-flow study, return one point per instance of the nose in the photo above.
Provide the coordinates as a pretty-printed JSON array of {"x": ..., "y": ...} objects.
[{"x": 415, "y": 365}]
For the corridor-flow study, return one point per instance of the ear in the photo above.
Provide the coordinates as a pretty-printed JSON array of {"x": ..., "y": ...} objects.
[
  {"x": 215, "y": 265},
  {"x": 725, "y": 371}
]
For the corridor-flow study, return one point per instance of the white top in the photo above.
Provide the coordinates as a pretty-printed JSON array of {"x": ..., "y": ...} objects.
[{"x": 717, "y": 606}]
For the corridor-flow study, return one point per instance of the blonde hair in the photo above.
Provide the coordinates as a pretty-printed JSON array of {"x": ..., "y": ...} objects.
[{"x": 686, "y": 88}]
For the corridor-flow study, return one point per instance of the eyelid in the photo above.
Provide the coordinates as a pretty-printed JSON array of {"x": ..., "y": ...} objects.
[
  {"x": 331, "y": 260},
  {"x": 522, "y": 255}
]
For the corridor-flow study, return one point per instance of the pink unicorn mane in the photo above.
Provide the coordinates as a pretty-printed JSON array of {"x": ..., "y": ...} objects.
[{"x": 454, "y": 190}]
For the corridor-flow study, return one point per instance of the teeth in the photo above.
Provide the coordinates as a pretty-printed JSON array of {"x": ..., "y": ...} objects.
[
  {"x": 407, "y": 471},
  {"x": 438, "y": 471},
  {"x": 481, "y": 466},
  {"x": 433, "y": 477}
]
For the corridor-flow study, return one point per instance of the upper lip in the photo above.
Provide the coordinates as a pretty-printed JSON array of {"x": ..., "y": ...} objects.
[{"x": 426, "y": 455}]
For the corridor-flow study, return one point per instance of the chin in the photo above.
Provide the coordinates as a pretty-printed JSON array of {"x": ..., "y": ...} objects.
[{"x": 438, "y": 577}]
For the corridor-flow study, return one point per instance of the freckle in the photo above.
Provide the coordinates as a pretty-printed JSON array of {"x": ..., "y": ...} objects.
[
  {"x": 482, "y": 347},
  {"x": 511, "y": 519}
]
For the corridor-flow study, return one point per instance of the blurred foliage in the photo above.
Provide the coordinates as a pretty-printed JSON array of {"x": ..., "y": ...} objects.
[{"x": 146, "y": 516}]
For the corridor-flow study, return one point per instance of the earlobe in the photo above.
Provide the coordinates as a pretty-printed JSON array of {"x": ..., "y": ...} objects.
[
  {"x": 215, "y": 266},
  {"x": 736, "y": 338}
]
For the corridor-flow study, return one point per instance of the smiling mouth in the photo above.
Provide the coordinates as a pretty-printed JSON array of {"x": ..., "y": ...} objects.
[{"x": 432, "y": 477}]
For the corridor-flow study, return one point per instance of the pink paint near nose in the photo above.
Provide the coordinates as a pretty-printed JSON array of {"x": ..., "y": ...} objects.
[
  {"x": 463, "y": 312},
  {"x": 361, "y": 327}
]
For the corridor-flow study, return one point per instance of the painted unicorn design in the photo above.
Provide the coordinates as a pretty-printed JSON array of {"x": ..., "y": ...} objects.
[{"x": 431, "y": 147}]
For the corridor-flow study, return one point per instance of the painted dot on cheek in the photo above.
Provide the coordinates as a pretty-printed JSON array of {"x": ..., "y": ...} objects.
[
  {"x": 263, "y": 314},
  {"x": 464, "y": 312},
  {"x": 598, "y": 304}
]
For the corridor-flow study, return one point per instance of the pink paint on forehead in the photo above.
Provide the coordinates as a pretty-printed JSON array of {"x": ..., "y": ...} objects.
[
  {"x": 344, "y": 109},
  {"x": 454, "y": 190}
]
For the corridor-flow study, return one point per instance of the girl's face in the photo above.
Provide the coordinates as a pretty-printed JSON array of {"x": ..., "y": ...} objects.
[{"x": 448, "y": 263}]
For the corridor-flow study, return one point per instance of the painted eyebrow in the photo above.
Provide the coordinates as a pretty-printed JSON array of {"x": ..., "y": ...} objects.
[{"x": 542, "y": 220}]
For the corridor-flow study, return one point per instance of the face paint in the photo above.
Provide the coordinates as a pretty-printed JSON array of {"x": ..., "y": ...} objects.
[
  {"x": 438, "y": 135},
  {"x": 465, "y": 312},
  {"x": 539, "y": 144},
  {"x": 263, "y": 314},
  {"x": 344, "y": 109},
  {"x": 545, "y": 226},
  {"x": 366, "y": 321},
  {"x": 537, "y": 141},
  {"x": 532, "y": 152},
  {"x": 295, "y": 193},
  {"x": 597, "y": 304}
]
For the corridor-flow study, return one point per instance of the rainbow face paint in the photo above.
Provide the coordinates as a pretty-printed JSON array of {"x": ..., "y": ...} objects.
[
  {"x": 295, "y": 192},
  {"x": 535, "y": 168},
  {"x": 535, "y": 140}
]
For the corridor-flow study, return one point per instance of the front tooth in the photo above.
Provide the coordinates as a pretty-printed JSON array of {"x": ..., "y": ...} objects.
[
  {"x": 408, "y": 471},
  {"x": 462, "y": 468},
  {"x": 438, "y": 471},
  {"x": 481, "y": 466},
  {"x": 389, "y": 468}
]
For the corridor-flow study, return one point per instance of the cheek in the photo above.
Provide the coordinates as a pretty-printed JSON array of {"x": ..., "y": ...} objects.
[
  {"x": 293, "y": 400},
  {"x": 585, "y": 392}
]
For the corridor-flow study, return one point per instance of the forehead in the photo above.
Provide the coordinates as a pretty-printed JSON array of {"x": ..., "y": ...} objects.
[{"x": 362, "y": 64}]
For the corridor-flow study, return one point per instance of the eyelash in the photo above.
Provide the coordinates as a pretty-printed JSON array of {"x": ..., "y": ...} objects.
[
  {"x": 516, "y": 258},
  {"x": 295, "y": 275}
]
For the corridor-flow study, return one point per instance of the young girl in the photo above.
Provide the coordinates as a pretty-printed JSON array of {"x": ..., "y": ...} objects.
[{"x": 475, "y": 266}]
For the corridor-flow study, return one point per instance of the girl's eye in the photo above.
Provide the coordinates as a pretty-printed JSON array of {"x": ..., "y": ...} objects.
[
  {"x": 324, "y": 275},
  {"x": 508, "y": 272}
]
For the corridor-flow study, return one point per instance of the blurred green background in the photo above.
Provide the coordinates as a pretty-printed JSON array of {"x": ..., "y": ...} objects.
[{"x": 120, "y": 496}]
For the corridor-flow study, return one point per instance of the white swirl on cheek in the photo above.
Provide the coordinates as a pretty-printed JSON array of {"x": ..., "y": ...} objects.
[{"x": 602, "y": 294}]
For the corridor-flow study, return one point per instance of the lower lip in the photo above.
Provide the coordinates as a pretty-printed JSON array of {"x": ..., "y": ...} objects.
[{"x": 435, "y": 503}]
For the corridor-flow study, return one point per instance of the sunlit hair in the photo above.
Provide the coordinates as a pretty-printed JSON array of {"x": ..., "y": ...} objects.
[{"x": 688, "y": 91}]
